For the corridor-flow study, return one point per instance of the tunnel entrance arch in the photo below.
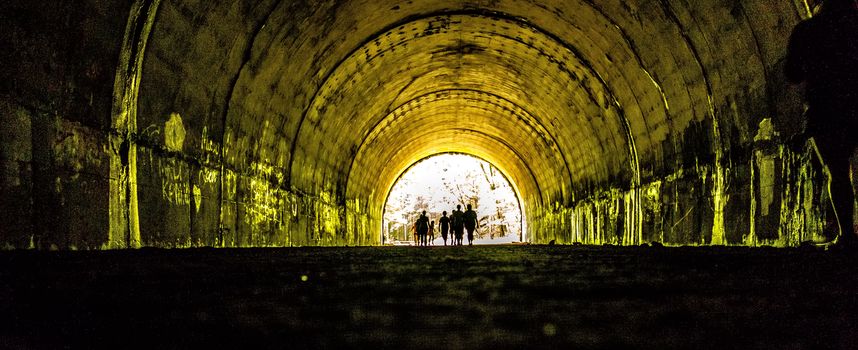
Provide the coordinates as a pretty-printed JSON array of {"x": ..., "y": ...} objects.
[{"x": 439, "y": 182}]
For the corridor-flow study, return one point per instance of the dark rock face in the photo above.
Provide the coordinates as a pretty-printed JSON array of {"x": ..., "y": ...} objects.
[{"x": 165, "y": 123}]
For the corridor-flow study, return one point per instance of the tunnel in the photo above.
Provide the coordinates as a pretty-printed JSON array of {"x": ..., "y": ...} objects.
[
  {"x": 172, "y": 124},
  {"x": 186, "y": 174}
]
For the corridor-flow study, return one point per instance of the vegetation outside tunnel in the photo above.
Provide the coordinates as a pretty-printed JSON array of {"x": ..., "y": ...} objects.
[{"x": 438, "y": 183}]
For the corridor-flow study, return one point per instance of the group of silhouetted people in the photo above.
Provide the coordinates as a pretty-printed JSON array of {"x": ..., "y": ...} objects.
[
  {"x": 823, "y": 54},
  {"x": 453, "y": 226}
]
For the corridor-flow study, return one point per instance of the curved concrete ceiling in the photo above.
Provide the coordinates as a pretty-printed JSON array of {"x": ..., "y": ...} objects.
[{"x": 567, "y": 97}]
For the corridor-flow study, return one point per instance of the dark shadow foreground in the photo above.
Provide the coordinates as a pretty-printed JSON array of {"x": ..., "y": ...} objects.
[{"x": 485, "y": 297}]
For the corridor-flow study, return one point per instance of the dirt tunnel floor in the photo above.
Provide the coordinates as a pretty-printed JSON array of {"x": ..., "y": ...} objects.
[{"x": 408, "y": 297}]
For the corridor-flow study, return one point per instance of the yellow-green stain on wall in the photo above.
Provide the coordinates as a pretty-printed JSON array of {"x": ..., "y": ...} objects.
[{"x": 174, "y": 133}]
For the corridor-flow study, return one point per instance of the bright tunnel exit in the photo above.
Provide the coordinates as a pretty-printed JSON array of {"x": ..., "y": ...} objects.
[{"x": 437, "y": 184}]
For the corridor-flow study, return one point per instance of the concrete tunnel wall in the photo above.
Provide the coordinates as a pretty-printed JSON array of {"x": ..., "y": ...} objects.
[{"x": 171, "y": 123}]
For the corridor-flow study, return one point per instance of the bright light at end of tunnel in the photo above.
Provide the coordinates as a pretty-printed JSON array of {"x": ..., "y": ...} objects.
[{"x": 437, "y": 184}]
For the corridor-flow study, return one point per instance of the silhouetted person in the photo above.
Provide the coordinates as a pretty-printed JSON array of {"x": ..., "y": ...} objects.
[
  {"x": 457, "y": 220},
  {"x": 471, "y": 223},
  {"x": 431, "y": 239},
  {"x": 422, "y": 228},
  {"x": 444, "y": 223},
  {"x": 823, "y": 53}
]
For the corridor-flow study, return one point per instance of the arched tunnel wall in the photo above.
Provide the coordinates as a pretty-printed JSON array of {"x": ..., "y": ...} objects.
[{"x": 174, "y": 123}]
